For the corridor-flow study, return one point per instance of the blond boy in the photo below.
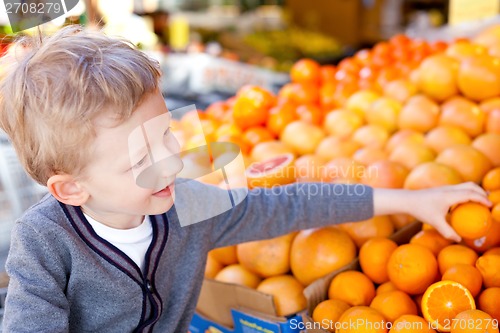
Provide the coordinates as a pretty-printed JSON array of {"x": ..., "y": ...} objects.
[{"x": 102, "y": 254}]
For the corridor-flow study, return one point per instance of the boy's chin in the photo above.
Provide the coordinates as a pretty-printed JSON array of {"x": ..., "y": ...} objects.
[{"x": 161, "y": 208}]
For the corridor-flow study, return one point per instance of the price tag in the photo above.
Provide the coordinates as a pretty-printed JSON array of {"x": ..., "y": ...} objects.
[{"x": 461, "y": 11}]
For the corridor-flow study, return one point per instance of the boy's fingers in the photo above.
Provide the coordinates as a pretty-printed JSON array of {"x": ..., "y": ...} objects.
[
  {"x": 447, "y": 231},
  {"x": 470, "y": 195}
]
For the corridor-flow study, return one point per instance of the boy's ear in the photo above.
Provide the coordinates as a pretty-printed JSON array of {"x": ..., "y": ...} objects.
[{"x": 67, "y": 190}]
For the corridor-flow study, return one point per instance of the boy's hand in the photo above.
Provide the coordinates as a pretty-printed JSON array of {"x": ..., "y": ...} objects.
[{"x": 432, "y": 205}]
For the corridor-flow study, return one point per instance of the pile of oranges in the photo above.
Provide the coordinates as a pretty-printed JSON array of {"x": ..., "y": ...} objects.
[{"x": 404, "y": 114}]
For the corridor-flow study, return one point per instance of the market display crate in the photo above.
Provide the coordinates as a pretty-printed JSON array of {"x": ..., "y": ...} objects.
[
  {"x": 318, "y": 291},
  {"x": 229, "y": 308}
]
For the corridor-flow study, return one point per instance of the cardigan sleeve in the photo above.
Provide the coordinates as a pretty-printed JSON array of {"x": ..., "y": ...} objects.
[
  {"x": 35, "y": 301},
  {"x": 267, "y": 213}
]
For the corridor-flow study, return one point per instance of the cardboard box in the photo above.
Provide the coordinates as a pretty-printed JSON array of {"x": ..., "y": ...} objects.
[
  {"x": 317, "y": 291},
  {"x": 229, "y": 308}
]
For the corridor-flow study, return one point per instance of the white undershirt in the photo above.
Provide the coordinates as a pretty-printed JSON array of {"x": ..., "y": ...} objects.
[{"x": 133, "y": 242}]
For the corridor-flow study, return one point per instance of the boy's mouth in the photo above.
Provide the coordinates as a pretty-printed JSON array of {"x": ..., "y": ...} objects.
[{"x": 166, "y": 192}]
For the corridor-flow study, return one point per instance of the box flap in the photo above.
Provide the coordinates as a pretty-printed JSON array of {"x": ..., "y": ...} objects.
[{"x": 218, "y": 298}]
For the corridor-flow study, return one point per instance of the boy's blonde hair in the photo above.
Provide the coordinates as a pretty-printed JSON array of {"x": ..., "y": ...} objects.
[{"x": 53, "y": 88}]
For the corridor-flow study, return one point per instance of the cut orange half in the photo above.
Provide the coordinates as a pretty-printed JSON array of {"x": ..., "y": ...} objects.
[
  {"x": 275, "y": 171},
  {"x": 443, "y": 301}
]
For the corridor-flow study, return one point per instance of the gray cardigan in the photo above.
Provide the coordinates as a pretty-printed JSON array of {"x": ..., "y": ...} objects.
[{"x": 65, "y": 278}]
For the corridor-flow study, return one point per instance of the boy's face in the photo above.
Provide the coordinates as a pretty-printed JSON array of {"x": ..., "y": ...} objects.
[{"x": 133, "y": 166}]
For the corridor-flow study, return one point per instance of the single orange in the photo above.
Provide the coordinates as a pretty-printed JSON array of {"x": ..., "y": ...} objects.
[
  {"x": 456, "y": 254},
  {"x": 467, "y": 275},
  {"x": 252, "y": 106},
  {"x": 217, "y": 110},
  {"x": 494, "y": 197},
  {"x": 479, "y": 77},
  {"x": 310, "y": 113},
  {"x": 342, "y": 170},
  {"x": 431, "y": 239},
  {"x": 302, "y": 137},
  {"x": 432, "y": 174},
  {"x": 385, "y": 174},
  {"x": 493, "y": 121},
  {"x": 369, "y": 321},
  {"x": 467, "y": 160},
  {"x": 411, "y": 154},
  {"x": 360, "y": 101},
  {"x": 401, "y": 90},
  {"x": 334, "y": 147},
  {"x": 352, "y": 287},
  {"x": 488, "y": 302},
  {"x": 268, "y": 257},
  {"x": 488, "y": 266},
  {"x": 225, "y": 255},
  {"x": 412, "y": 268},
  {"x": 394, "y": 304},
  {"x": 305, "y": 93},
  {"x": 374, "y": 256},
  {"x": 471, "y": 220},
  {"x": 238, "y": 274},
  {"x": 491, "y": 181},
  {"x": 342, "y": 123},
  {"x": 495, "y": 213},
  {"x": 443, "y": 300},
  {"x": 443, "y": 137},
  {"x": 227, "y": 129},
  {"x": 384, "y": 112},
  {"x": 317, "y": 252},
  {"x": 437, "y": 77},
  {"x": 362, "y": 231},
  {"x": 369, "y": 155},
  {"x": 420, "y": 113},
  {"x": 385, "y": 287},
  {"x": 327, "y": 73},
  {"x": 403, "y": 136},
  {"x": 488, "y": 144},
  {"x": 328, "y": 312},
  {"x": 212, "y": 266},
  {"x": 305, "y": 70},
  {"x": 280, "y": 116},
  {"x": 492, "y": 251},
  {"x": 474, "y": 321},
  {"x": 238, "y": 140},
  {"x": 411, "y": 324},
  {"x": 308, "y": 168},
  {"x": 371, "y": 135},
  {"x": 256, "y": 135},
  {"x": 491, "y": 239},
  {"x": 287, "y": 294},
  {"x": 269, "y": 149},
  {"x": 461, "y": 112}
]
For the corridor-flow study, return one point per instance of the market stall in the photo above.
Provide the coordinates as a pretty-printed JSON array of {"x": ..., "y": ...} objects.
[{"x": 388, "y": 94}]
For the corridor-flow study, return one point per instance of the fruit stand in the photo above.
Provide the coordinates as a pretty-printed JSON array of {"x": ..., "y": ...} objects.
[
  {"x": 406, "y": 113},
  {"x": 409, "y": 112}
]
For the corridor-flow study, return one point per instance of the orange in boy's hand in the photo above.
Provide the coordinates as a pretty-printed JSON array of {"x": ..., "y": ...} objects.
[{"x": 471, "y": 220}]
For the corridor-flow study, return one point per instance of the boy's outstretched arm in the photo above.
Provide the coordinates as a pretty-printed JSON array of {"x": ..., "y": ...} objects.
[
  {"x": 268, "y": 213},
  {"x": 429, "y": 205}
]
